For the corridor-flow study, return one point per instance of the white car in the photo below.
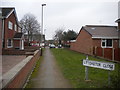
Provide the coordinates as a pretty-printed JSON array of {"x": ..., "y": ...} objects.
[{"x": 52, "y": 46}]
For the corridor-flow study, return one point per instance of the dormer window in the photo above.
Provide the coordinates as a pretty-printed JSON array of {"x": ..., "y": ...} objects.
[{"x": 10, "y": 25}]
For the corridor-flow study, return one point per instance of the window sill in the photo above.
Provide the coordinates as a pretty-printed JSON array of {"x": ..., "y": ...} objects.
[
  {"x": 107, "y": 47},
  {"x": 9, "y": 46}
]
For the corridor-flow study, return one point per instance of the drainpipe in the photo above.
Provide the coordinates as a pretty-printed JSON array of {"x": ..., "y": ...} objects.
[{"x": 3, "y": 38}]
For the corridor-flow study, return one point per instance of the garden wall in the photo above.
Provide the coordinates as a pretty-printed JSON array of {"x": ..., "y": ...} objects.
[{"x": 17, "y": 76}]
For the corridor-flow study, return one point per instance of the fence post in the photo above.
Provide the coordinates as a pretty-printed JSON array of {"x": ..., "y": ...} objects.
[
  {"x": 95, "y": 50},
  {"x": 103, "y": 52}
]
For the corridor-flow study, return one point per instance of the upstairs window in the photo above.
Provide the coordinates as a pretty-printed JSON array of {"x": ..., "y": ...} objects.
[
  {"x": 106, "y": 43},
  {"x": 10, "y": 25}
]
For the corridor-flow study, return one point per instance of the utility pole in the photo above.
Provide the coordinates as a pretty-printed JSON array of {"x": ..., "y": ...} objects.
[{"x": 42, "y": 24}]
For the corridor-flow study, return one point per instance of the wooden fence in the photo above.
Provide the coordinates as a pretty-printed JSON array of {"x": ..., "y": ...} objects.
[{"x": 108, "y": 53}]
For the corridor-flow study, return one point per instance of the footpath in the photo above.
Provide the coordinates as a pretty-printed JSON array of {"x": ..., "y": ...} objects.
[{"x": 49, "y": 74}]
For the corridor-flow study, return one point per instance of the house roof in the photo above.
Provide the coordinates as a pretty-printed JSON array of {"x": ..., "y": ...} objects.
[
  {"x": 6, "y": 11},
  {"x": 118, "y": 20},
  {"x": 18, "y": 35},
  {"x": 102, "y": 31}
]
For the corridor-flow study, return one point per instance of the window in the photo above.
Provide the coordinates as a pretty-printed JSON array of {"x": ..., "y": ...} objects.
[
  {"x": 103, "y": 42},
  {"x": 107, "y": 43},
  {"x": 9, "y": 43},
  {"x": 15, "y": 27},
  {"x": 10, "y": 25}
]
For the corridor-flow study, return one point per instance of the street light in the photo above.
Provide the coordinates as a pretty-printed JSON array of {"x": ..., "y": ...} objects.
[{"x": 42, "y": 23}]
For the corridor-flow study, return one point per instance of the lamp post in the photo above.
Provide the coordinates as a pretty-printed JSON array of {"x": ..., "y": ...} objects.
[{"x": 42, "y": 24}]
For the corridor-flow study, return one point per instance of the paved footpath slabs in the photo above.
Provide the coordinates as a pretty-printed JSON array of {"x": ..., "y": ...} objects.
[{"x": 49, "y": 75}]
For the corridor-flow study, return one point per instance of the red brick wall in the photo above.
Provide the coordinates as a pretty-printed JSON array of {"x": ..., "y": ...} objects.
[
  {"x": 83, "y": 43},
  {"x": 16, "y": 43},
  {"x": 16, "y": 51},
  {"x": 9, "y": 33},
  {"x": 117, "y": 54},
  {"x": 115, "y": 43},
  {"x": 97, "y": 42},
  {"x": 22, "y": 76}
]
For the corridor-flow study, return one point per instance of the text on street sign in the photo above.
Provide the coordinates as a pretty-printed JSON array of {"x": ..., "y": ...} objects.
[{"x": 97, "y": 64}]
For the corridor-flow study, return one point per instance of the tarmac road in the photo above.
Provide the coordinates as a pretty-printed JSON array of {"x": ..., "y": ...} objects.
[{"x": 49, "y": 75}]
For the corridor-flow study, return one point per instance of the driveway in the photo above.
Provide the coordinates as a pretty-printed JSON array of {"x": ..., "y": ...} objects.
[
  {"x": 49, "y": 75},
  {"x": 9, "y": 61}
]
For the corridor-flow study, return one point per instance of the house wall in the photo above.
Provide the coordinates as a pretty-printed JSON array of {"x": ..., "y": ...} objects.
[
  {"x": 108, "y": 53},
  {"x": 83, "y": 43},
  {"x": 9, "y": 34},
  {"x": 97, "y": 42},
  {"x": 16, "y": 43},
  {"x": 0, "y": 36}
]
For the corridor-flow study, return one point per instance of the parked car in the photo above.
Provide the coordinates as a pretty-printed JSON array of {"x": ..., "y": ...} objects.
[
  {"x": 52, "y": 46},
  {"x": 60, "y": 46}
]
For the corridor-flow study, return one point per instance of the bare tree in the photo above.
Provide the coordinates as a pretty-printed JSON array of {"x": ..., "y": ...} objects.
[
  {"x": 30, "y": 25},
  {"x": 58, "y": 34}
]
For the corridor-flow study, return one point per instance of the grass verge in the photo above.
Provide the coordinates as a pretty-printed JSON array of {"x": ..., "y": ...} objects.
[
  {"x": 34, "y": 73},
  {"x": 70, "y": 63}
]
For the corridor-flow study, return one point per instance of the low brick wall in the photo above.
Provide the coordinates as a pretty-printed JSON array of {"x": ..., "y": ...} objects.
[
  {"x": 16, "y": 52},
  {"x": 17, "y": 76},
  {"x": 32, "y": 47}
]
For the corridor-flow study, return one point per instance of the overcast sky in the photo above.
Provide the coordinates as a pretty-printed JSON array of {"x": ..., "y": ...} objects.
[{"x": 70, "y": 14}]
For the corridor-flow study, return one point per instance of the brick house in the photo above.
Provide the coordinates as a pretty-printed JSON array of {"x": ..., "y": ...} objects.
[
  {"x": 98, "y": 40},
  {"x": 12, "y": 36},
  {"x": 0, "y": 32}
]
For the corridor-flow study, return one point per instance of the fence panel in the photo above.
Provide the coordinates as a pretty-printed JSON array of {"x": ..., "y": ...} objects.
[{"x": 108, "y": 53}]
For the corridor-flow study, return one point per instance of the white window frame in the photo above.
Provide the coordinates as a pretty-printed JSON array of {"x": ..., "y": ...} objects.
[
  {"x": 9, "y": 46},
  {"x": 10, "y": 25},
  {"x": 105, "y": 40},
  {"x": 15, "y": 27}
]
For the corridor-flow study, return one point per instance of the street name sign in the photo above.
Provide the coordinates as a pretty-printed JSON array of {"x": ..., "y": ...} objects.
[{"x": 97, "y": 64}]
